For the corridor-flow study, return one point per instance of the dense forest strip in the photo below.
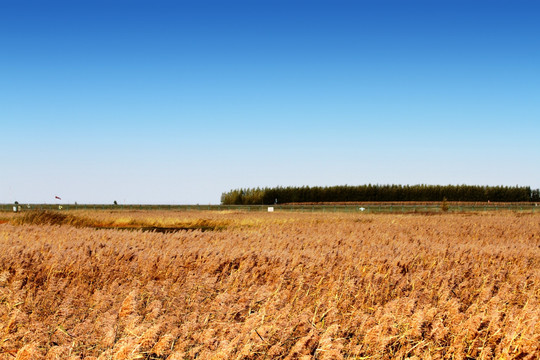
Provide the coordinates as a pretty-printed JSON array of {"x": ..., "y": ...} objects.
[{"x": 380, "y": 193}]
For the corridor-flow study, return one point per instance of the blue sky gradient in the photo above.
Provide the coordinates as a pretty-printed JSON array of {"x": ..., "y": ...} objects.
[{"x": 178, "y": 101}]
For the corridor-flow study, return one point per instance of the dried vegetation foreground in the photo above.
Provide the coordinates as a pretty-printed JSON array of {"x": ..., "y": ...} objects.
[{"x": 272, "y": 286}]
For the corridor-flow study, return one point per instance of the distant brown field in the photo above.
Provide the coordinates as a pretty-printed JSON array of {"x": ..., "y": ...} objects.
[{"x": 270, "y": 286}]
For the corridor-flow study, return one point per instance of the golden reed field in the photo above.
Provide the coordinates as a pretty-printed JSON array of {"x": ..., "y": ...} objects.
[{"x": 89, "y": 285}]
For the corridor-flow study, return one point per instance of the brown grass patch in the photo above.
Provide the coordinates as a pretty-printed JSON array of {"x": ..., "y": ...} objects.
[
  {"x": 282, "y": 286},
  {"x": 47, "y": 217}
]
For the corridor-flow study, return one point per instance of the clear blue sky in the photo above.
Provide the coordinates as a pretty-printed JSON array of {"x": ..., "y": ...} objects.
[{"x": 178, "y": 101}]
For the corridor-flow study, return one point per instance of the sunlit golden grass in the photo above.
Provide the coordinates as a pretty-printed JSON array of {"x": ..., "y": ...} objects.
[
  {"x": 271, "y": 286},
  {"x": 123, "y": 220}
]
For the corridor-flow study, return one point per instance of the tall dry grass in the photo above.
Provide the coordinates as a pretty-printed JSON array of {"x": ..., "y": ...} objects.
[
  {"x": 124, "y": 219},
  {"x": 280, "y": 286}
]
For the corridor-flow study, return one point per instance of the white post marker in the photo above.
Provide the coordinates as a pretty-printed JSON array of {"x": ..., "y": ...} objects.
[
  {"x": 270, "y": 209},
  {"x": 361, "y": 209}
]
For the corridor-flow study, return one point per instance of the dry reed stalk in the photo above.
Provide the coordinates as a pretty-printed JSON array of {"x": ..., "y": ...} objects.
[{"x": 29, "y": 352}]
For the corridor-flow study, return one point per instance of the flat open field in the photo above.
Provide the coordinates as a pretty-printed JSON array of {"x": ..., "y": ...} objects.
[{"x": 269, "y": 286}]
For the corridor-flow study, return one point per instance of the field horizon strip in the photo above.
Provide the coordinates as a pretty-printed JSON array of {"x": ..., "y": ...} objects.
[{"x": 367, "y": 207}]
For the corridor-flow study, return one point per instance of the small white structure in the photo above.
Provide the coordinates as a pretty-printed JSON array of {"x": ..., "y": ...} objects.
[
  {"x": 270, "y": 209},
  {"x": 361, "y": 209}
]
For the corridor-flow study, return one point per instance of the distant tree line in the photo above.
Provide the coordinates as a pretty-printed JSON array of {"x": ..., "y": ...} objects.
[{"x": 366, "y": 193}]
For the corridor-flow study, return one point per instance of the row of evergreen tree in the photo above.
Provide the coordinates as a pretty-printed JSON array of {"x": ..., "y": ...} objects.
[{"x": 395, "y": 193}]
